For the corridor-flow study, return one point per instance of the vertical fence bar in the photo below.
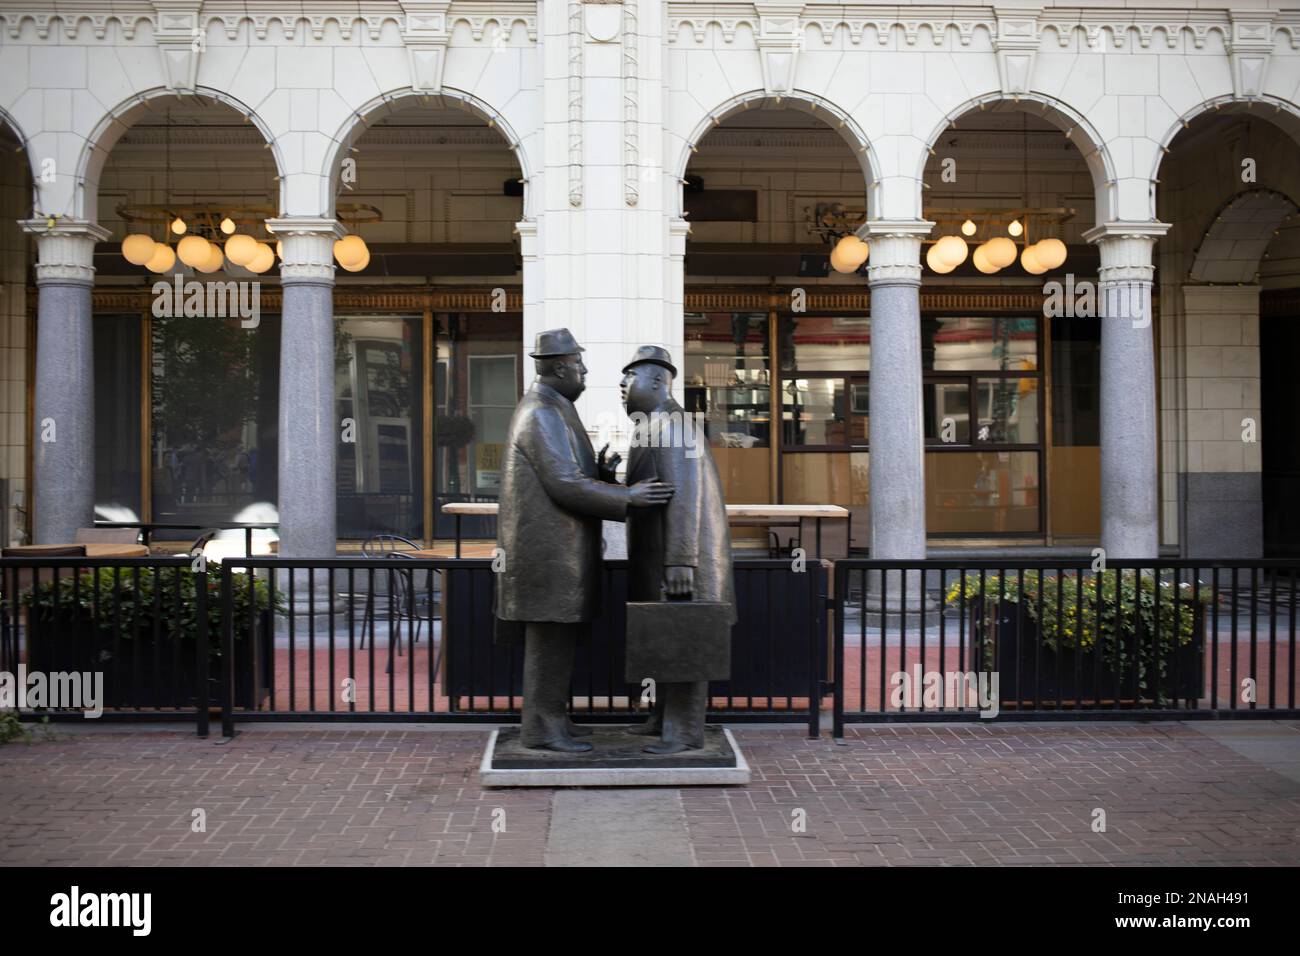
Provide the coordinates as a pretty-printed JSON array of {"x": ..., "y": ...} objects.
[
  {"x": 1214, "y": 640},
  {"x": 332, "y": 687},
  {"x": 816, "y": 640},
  {"x": 902, "y": 632},
  {"x": 202, "y": 667},
  {"x": 228, "y": 647},
  {"x": 1254, "y": 636},
  {"x": 1157, "y": 649},
  {"x": 352, "y": 639},
  {"x": 884, "y": 641},
  {"x": 837, "y": 698},
  {"x": 1272, "y": 641},
  {"x": 1232, "y": 681},
  {"x": 311, "y": 639}
]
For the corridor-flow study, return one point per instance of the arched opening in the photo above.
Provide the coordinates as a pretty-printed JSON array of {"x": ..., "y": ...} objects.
[
  {"x": 186, "y": 340},
  {"x": 1230, "y": 281},
  {"x": 774, "y": 338},
  {"x": 1011, "y": 387},
  {"x": 430, "y": 358},
  {"x": 16, "y": 339}
]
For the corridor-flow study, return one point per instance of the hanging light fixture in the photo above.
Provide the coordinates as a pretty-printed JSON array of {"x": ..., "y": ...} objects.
[
  {"x": 350, "y": 250},
  {"x": 228, "y": 226},
  {"x": 849, "y": 254},
  {"x": 358, "y": 264},
  {"x": 981, "y": 260},
  {"x": 241, "y": 248},
  {"x": 263, "y": 259},
  {"x": 1014, "y": 228},
  {"x": 1031, "y": 262},
  {"x": 951, "y": 251},
  {"x": 163, "y": 258},
  {"x": 1000, "y": 252},
  {"x": 1051, "y": 253},
  {"x": 936, "y": 262},
  {"x": 138, "y": 248},
  {"x": 968, "y": 228},
  {"x": 214, "y": 261},
  {"x": 193, "y": 250},
  {"x": 178, "y": 226}
]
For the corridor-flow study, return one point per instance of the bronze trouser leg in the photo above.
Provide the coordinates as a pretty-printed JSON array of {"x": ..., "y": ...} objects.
[
  {"x": 683, "y": 712},
  {"x": 548, "y": 668}
]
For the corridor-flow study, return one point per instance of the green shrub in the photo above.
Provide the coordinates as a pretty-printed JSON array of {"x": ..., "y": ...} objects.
[{"x": 125, "y": 601}]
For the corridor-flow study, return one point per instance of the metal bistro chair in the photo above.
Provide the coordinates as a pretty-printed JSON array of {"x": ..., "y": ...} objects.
[{"x": 408, "y": 604}]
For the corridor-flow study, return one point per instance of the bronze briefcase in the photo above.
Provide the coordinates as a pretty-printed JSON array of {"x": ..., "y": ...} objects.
[{"x": 678, "y": 641}]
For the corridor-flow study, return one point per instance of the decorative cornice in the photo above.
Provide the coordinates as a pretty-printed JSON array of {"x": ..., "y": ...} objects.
[
  {"x": 372, "y": 15},
  {"x": 1099, "y": 25}
]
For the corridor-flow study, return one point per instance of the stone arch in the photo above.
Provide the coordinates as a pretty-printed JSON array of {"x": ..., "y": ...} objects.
[
  {"x": 1077, "y": 127},
  {"x": 114, "y": 125},
  {"x": 7, "y": 119},
  {"x": 1238, "y": 234},
  {"x": 835, "y": 117},
  {"x": 1279, "y": 112},
  {"x": 355, "y": 126}
]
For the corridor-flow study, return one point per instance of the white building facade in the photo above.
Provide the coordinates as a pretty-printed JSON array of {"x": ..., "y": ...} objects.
[{"x": 666, "y": 157}]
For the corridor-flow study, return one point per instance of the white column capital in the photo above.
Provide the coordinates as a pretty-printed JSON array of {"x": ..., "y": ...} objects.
[
  {"x": 65, "y": 248},
  {"x": 308, "y": 246},
  {"x": 895, "y": 250},
  {"x": 1125, "y": 249}
]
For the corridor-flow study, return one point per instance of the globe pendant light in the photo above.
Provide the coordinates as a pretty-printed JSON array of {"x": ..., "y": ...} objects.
[
  {"x": 194, "y": 251},
  {"x": 358, "y": 264},
  {"x": 950, "y": 250},
  {"x": 1051, "y": 253},
  {"x": 138, "y": 248},
  {"x": 936, "y": 262},
  {"x": 1014, "y": 228},
  {"x": 980, "y": 258},
  {"x": 214, "y": 261},
  {"x": 240, "y": 249},
  {"x": 263, "y": 259},
  {"x": 1000, "y": 252},
  {"x": 350, "y": 250},
  {"x": 163, "y": 258},
  {"x": 178, "y": 226},
  {"x": 968, "y": 228},
  {"x": 1031, "y": 261},
  {"x": 228, "y": 226}
]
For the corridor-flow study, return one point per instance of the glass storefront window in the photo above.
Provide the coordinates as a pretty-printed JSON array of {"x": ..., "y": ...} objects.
[
  {"x": 947, "y": 412},
  {"x": 979, "y": 344},
  {"x": 979, "y": 492},
  {"x": 812, "y": 412},
  {"x": 480, "y": 365},
  {"x": 727, "y": 378},
  {"x": 823, "y": 343},
  {"x": 1008, "y": 411},
  {"x": 1075, "y": 462},
  {"x": 215, "y": 407},
  {"x": 117, "y": 417},
  {"x": 378, "y": 379}
]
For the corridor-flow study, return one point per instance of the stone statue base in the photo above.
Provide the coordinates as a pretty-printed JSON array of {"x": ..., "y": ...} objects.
[{"x": 617, "y": 760}]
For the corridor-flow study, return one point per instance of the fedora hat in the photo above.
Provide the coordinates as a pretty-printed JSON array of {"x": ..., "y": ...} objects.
[
  {"x": 653, "y": 355},
  {"x": 555, "y": 342}
]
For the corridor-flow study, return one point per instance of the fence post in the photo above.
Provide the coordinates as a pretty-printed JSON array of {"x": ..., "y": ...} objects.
[
  {"x": 816, "y": 650},
  {"x": 228, "y": 647},
  {"x": 837, "y": 707},
  {"x": 201, "y": 646}
]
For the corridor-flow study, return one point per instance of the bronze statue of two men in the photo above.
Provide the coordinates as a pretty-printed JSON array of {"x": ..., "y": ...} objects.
[{"x": 555, "y": 492}]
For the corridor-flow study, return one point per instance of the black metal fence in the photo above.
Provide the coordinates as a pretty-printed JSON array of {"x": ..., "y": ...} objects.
[
  {"x": 397, "y": 638},
  {"x": 971, "y": 640}
]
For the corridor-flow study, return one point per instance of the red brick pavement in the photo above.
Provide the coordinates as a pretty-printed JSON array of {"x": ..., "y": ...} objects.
[{"x": 919, "y": 795}]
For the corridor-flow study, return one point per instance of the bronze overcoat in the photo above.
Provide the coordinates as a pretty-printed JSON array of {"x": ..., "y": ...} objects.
[
  {"x": 548, "y": 524},
  {"x": 691, "y": 530}
]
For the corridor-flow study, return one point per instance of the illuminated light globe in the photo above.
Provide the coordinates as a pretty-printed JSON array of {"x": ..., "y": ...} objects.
[
  {"x": 262, "y": 259},
  {"x": 951, "y": 251},
  {"x": 228, "y": 226},
  {"x": 350, "y": 250},
  {"x": 194, "y": 251},
  {"x": 1000, "y": 252},
  {"x": 968, "y": 228},
  {"x": 359, "y": 264},
  {"x": 163, "y": 258},
  {"x": 178, "y": 226},
  {"x": 1031, "y": 262},
  {"x": 138, "y": 248},
  {"x": 849, "y": 254},
  {"x": 1051, "y": 253},
  {"x": 240, "y": 249},
  {"x": 936, "y": 261},
  {"x": 214, "y": 261},
  {"x": 980, "y": 258},
  {"x": 1014, "y": 228}
]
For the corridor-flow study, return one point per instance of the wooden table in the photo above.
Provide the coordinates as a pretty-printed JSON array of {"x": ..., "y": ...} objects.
[
  {"x": 771, "y": 513},
  {"x": 93, "y": 550}
]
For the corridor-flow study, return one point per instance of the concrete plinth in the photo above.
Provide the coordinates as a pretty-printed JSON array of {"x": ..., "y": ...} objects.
[{"x": 617, "y": 760}]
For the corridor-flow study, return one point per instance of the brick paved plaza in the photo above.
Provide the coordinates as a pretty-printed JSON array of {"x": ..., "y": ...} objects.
[{"x": 1173, "y": 793}]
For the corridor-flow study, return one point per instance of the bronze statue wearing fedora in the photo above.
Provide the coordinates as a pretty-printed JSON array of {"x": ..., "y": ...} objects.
[
  {"x": 683, "y": 549},
  {"x": 554, "y": 493}
]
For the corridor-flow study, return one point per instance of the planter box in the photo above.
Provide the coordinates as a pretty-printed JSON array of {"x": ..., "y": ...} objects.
[
  {"x": 1086, "y": 676},
  {"x": 144, "y": 673}
]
